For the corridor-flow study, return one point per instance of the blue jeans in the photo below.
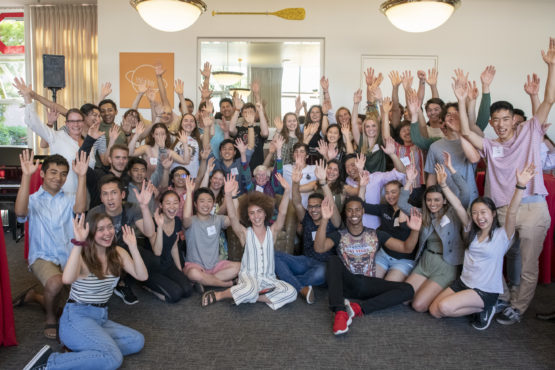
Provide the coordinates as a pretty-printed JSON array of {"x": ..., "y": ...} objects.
[
  {"x": 300, "y": 271},
  {"x": 96, "y": 342}
]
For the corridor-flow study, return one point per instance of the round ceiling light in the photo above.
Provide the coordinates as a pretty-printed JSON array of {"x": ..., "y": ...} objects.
[
  {"x": 418, "y": 15},
  {"x": 169, "y": 15}
]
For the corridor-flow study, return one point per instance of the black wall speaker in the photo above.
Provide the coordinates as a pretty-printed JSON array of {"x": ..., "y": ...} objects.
[{"x": 54, "y": 71}]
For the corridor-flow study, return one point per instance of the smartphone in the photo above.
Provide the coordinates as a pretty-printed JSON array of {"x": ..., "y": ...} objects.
[{"x": 267, "y": 290}]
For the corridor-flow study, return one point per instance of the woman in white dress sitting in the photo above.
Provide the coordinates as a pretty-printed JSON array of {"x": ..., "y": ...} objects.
[{"x": 257, "y": 280}]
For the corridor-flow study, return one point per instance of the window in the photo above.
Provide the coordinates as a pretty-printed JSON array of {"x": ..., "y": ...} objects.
[{"x": 12, "y": 64}]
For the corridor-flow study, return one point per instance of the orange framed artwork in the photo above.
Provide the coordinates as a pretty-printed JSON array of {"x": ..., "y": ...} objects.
[{"x": 136, "y": 69}]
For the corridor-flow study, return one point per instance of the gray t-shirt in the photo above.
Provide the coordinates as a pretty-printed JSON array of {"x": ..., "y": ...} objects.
[
  {"x": 461, "y": 164},
  {"x": 203, "y": 241},
  {"x": 130, "y": 214}
]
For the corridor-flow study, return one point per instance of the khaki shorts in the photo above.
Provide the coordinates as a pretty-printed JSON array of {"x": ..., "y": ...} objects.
[
  {"x": 433, "y": 267},
  {"x": 44, "y": 270}
]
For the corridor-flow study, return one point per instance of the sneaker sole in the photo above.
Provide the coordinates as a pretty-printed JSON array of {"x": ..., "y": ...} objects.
[
  {"x": 506, "y": 322},
  {"x": 39, "y": 354},
  {"x": 119, "y": 294},
  {"x": 339, "y": 332},
  {"x": 310, "y": 298}
]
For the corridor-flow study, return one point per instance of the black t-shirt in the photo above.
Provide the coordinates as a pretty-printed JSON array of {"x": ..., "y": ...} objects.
[
  {"x": 358, "y": 252},
  {"x": 258, "y": 154},
  {"x": 309, "y": 233},
  {"x": 390, "y": 224},
  {"x": 168, "y": 241}
]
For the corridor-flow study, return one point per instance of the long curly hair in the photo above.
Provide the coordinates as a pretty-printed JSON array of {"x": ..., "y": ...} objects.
[
  {"x": 255, "y": 198},
  {"x": 89, "y": 256},
  {"x": 149, "y": 140}
]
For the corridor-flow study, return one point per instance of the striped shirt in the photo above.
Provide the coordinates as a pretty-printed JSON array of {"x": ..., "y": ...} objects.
[
  {"x": 412, "y": 154},
  {"x": 258, "y": 258},
  {"x": 92, "y": 289}
]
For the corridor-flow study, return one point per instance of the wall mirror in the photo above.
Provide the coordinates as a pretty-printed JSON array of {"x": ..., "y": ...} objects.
[{"x": 285, "y": 68}]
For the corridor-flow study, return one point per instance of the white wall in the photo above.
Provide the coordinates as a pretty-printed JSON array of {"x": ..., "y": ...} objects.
[{"x": 508, "y": 34}]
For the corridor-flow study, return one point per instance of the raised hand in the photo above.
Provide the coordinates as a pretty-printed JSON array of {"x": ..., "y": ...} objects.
[
  {"x": 167, "y": 162},
  {"x": 320, "y": 170},
  {"x": 150, "y": 94},
  {"x": 94, "y": 131},
  {"x": 178, "y": 86},
  {"x": 406, "y": 79},
  {"x": 207, "y": 119},
  {"x": 421, "y": 75},
  {"x": 527, "y": 173},
  {"x": 387, "y": 105},
  {"x": 360, "y": 162},
  {"x": 472, "y": 90},
  {"x": 80, "y": 228},
  {"x": 413, "y": 105},
  {"x": 346, "y": 130},
  {"x": 211, "y": 164},
  {"x": 189, "y": 185},
  {"x": 310, "y": 129},
  {"x": 278, "y": 123},
  {"x": 205, "y": 153},
  {"x": 374, "y": 92},
  {"x": 159, "y": 218},
  {"x": 81, "y": 163},
  {"x": 140, "y": 129},
  {"x": 357, "y": 97},
  {"x": 549, "y": 56},
  {"x": 158, "y": 69},
  {"x": 327, "y": 208},
  {"x": 106, "y": 89},
  {"x": 240, "y": 145},
  {"x": 395, "y": 78},
  {"x": 460, "y": 87},
  {"x": 141, "y": 86},
  {"x": 284, "y": 184},
  {"x": 487, "y": 75},
  {"x": 415, "y": 220},
  {"x": 325, "y": 83},
  {"x": 278, "y": 142},
  {"x": 255, "y": 87},
  {"x": 114, "y": 133},
  {"x": 322, "y": 148},
  {"x": 441, "y": 174},
  {"x": 51, "y": 116},
  {"x": 229, "y": 184},
  {"x": 205, "y": 72},
  {"x": 205, "y": 93},
  {"x": 432, "y": 77},
  {"x": 24, "y": 90},
  {"x": 532, "y": 85},
  {"x": 389, "y": 148},
  {"x": 237, "y": 102},
  {"x": 28, "y": 166},
  {"x": 369, "y": 76},
  {"x": 183, "y": 138},
  {"x": 143, "y": 198},
  {"x": 297, "y": 175},
  {"x": 128, "y": 235},
  {"x": 411, "y": 173},
  {"x": 298, "y": 104},
  {"x": 460, "y": 76},
  {"x": 364, "y": 178}
]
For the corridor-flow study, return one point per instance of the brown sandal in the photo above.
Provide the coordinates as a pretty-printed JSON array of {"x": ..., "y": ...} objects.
[{"x": 208, "y": 298}]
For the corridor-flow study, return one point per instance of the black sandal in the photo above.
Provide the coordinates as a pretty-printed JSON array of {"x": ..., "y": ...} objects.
[
  {"x": 208, "y": 298},
  {"x": 20, "y": 299}
]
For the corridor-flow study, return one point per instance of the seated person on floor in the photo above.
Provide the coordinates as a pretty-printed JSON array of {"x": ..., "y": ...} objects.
[
  {"x": 257, "y": 279},
  {"x": 202, "y": 234},
  {"x": 49, "y": 212},
  {"x": 352, "y": 272},
  {"x": 307, "y": 270}
]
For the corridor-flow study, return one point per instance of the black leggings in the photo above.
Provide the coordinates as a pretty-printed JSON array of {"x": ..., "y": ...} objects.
[{"x": 374, "y": 293}]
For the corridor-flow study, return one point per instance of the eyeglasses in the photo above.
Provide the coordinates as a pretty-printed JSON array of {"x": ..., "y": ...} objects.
[
  {"x": 74, "y": 121},
  {"x": 318, "y": 206}
]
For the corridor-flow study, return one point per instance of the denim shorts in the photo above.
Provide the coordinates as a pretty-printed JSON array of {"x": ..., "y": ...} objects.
[{"x": 389, "y": 263}]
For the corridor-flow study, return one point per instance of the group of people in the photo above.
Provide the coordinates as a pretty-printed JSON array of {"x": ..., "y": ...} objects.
[{"x": 386, "y": 204}]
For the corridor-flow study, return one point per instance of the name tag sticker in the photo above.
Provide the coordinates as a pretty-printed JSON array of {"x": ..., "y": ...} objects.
[
  {"x": 444, "y": 221},
  {"x": 153, "y": 161},
  {"x": 211, "y": 230},
  {"x": 234, "y": 171},
  {"x": 497, "y": 152},
  {"x": 405, "y": 160},
  {"x": 375, "y": 148},
  {"x": 396, "y": 222},
  {"x": 259, "y": 188},
  {"x": 313, "y": 235}
]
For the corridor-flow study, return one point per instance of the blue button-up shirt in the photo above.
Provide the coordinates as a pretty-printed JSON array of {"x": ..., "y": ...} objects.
[{"x": 50, "y": 226}]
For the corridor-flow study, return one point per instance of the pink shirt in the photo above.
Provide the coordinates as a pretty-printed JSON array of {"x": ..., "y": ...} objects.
[{"x": 504, "y": 158}]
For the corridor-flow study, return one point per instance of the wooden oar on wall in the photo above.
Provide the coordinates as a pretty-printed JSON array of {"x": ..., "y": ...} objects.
[{"x": 291, "y": 14}]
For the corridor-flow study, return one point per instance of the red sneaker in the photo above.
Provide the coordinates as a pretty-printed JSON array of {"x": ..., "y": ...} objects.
[
  {"x": 353, "y": 309},
  {"x": 341, "y": 323}
]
